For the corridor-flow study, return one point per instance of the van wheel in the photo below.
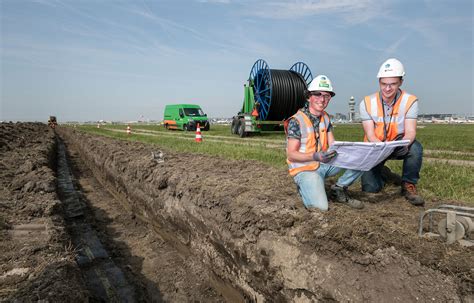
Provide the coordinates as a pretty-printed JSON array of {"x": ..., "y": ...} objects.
[
  {"x": 185, "y": 127},
  {"x": 207, "y": 126}
]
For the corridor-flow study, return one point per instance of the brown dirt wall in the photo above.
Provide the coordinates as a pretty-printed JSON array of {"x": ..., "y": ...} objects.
[
  {"x": 247, "y": 224},
  {"x": 36, "y": 260}
]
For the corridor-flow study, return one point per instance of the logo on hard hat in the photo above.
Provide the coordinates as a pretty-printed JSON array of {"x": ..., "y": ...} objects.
[
  {"x": 323, "y": 82},
  {"x": 387, "y": 65},
  {"x": 323, "y": 85}
]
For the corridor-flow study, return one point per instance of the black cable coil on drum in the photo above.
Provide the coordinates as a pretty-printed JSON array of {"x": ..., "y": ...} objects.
[
  {"x": 279, "y": 93},
  {"x": 288, "y": 94}
]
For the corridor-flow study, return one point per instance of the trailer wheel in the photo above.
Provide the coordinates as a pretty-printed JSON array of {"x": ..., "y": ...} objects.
[
  {"x": 241, "y": 129},
  {"x": 234, "y": 127}
]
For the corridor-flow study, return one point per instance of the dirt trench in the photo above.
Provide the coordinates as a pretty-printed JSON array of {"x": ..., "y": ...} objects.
[
  {"x": 237, "y": 231},
  {"x": 248, "y": 227},
  {"x": 123, "y": 257}
]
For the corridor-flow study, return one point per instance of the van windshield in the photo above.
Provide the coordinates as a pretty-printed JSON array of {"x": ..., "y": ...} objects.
[{"x": 193, "y": 112}]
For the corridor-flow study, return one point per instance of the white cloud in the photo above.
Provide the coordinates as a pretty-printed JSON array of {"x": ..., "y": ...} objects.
[
  {"x": 323, "y": 41},
  {"x": 393, "y": 48},
  {"x": 174, "y": 28},
  {"x": 353, "y": 11},
  {"x": 51, "y": 3},
  {"x": 214, "y": 1},
  {"x": 389, "y": 50}
]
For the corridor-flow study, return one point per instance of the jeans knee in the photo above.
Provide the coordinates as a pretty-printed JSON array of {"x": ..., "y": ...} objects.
[
  {"x": 371, "y": 181},
  {"x": 371, "y": 188},
  {"x": 416, "y": 149}
]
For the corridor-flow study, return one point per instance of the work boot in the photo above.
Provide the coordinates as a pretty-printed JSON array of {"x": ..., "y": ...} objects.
[
  {"x": 340, "y": 195},
  {"x": 409, "y": 192}
]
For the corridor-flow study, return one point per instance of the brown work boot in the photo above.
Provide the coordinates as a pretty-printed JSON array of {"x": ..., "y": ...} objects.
[
  {"x": 409, "y": 192},
  {"x": 340, "y": 195}
]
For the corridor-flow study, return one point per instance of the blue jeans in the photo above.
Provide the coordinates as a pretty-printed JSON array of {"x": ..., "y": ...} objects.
[
  {"x": 373, "y": 182},
  {"x": 311, "y": 184}
]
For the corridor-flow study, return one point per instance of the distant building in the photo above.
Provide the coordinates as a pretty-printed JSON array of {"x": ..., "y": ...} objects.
[
  {"x": 339, "y": 117},
  {"x": 445, "y": 118},
  {"x": 221, "y": 121}
]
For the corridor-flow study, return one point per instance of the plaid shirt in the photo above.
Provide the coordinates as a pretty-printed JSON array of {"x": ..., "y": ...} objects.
[{"x": 294, "y": 127}]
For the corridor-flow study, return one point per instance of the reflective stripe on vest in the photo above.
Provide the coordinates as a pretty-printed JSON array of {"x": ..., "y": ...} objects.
[
  {"x": 309, "y": 142},
  {"x": 395, "y": 123}
]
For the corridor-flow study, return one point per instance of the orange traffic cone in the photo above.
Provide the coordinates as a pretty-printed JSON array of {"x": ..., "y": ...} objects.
[
  {"x": 129, "y": 130},
  {"x": 198, "y": 134}
]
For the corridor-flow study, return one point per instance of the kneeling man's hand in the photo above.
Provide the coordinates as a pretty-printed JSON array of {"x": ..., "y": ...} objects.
[
  {"x": 324, "y": 156},
  {"x": 400, "y": 151}
]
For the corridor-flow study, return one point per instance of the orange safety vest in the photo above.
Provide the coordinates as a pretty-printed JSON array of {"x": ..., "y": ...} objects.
[
  {"x": 309, "y": 142},
  {"x": 393, "y": 125}
]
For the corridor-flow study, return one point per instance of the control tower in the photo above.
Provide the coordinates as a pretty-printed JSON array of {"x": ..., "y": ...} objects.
[{"x": 351, "y": 109}]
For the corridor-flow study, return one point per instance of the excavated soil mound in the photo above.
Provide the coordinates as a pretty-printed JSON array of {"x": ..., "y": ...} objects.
[
  {"x": 246, "y": 224},
  {"x": 36, "y": 258},
  {"x": 241, "y": 222}
]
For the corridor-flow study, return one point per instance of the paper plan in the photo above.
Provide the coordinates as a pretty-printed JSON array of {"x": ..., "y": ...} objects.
[{"x": 363, "y": 155}]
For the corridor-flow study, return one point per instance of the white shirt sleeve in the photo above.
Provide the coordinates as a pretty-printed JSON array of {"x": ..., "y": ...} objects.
[
  {"x": 412, "y": 112},
  {"x": 364, "y": 115}
]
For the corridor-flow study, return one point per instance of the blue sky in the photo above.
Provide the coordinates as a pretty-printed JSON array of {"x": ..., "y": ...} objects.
[{"x": 121, "y": 60}]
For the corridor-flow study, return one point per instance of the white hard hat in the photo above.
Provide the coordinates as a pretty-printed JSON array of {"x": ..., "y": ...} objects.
[
  {"x": 391, "y": 68},
  {"x": 321, "y": 83}
]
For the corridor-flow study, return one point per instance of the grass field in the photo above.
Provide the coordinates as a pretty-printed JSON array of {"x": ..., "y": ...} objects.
[{"x": 440, "y": 179}]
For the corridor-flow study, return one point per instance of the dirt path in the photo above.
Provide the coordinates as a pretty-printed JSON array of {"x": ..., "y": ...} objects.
[{"x": 104, "y": 279}]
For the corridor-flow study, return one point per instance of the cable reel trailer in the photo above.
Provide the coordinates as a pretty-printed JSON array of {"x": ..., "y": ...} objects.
[{"x": 270, "y": 97}]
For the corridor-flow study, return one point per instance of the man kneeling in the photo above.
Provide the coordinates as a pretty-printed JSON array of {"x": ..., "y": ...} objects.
[{"x": 309, "y": 135}]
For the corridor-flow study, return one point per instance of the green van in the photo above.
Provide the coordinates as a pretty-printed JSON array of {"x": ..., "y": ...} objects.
[{"x": 185, "y": 117}]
